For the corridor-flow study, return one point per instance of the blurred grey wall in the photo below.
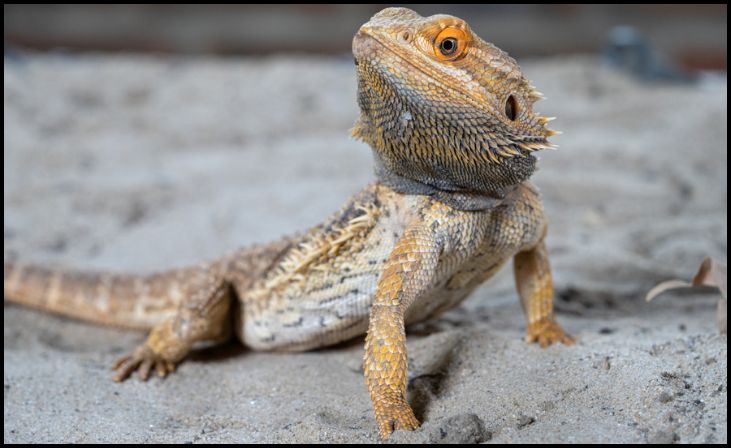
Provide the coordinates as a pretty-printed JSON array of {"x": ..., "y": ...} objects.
[{"x": 692, "y": 35}]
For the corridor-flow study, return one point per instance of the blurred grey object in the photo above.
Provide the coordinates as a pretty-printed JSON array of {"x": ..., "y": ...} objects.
[{"x": 628, "y": 50}]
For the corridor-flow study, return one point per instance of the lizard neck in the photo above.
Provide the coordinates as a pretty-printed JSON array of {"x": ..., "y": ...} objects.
[{"x": 458, "y": 198}]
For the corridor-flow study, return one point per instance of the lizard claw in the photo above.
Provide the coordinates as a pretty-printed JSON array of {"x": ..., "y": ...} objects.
[
  {"x": 400, "y": 416},
  {"x": 144, "y": 359},
  {"x": 548, "y": 332}
]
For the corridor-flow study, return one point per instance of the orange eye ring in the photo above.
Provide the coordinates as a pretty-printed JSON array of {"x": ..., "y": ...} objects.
[{"x": 450, "y": 44}]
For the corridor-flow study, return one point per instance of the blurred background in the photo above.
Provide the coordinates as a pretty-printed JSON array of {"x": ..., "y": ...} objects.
[
  {"x": 144, "y": 137},
  {"x": 693, "y": 36}
]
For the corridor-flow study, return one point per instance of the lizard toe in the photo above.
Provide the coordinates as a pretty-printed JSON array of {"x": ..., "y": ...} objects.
[
  {"x": 143, "y": 359},
  {"x": 399, "y": 417},
  {"x": 547, "y": 333}
]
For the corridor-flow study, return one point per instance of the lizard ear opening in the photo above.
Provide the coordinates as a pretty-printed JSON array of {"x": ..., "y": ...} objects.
[{"x": 511, "y": 108}]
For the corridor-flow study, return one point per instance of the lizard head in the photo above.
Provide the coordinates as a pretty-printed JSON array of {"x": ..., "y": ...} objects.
[{"x": 443, "y": 108}]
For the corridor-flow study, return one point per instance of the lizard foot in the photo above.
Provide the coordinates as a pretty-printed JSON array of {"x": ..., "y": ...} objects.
[
  {"x": 144, "y": 359},
  {"x": 547, "y": 332},
  {"x": 392, "y": 417}
]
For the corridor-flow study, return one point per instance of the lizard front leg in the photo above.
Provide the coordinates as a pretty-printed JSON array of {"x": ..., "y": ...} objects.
[
  {"x": 406, "y": 274},
  {"x": 202, "y": 315},
  {"x": 535, "y": 286}
]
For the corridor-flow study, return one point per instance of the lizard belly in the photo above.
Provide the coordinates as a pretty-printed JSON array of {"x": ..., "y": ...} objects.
[
  {"x": 307, "y": 318},
  {"x": 324, "y": 303}
]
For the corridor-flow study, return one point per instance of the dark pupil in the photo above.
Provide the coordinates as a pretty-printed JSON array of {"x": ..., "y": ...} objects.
[{"x": 448, "y": 46}]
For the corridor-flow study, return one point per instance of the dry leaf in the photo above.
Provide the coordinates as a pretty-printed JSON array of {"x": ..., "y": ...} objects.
[{"x": 711, "y": 273}]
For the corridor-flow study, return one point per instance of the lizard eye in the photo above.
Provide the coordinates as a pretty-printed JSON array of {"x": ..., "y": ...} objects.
[
  {"x": 450, "y": 44},
  {"x": 511, "y": 108}
]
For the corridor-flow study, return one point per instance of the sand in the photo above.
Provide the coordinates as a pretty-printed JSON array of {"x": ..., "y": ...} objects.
[{"x": 140, "y": 163}]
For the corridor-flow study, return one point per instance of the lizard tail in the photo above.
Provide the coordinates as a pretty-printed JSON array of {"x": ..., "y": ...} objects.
[
  {"x": 124, "y": 300},
  {"x": 128, "y": 300}
]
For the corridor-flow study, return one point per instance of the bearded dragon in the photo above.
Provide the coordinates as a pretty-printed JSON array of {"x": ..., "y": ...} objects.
[{"x": 450, "y": 120}]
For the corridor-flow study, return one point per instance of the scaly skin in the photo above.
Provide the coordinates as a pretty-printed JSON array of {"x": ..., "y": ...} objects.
[{"x": 452, "y": 130}]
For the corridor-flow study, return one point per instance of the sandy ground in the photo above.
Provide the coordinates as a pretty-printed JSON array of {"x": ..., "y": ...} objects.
[{"x": 137, "y": 164}]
